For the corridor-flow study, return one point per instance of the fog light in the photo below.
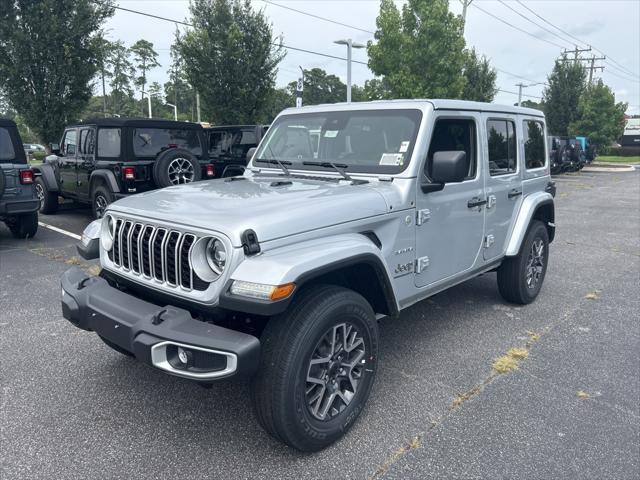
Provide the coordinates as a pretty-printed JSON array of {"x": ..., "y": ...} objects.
[{"x": 183, "y": 356}]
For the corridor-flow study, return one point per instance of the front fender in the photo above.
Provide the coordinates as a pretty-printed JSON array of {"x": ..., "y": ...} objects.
[
  {"x": 527, "y": 210},
  {"x": 304, "y": 261}
]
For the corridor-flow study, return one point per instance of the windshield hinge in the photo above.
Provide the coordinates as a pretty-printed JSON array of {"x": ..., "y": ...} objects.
[{"x": 423, "y": 216}]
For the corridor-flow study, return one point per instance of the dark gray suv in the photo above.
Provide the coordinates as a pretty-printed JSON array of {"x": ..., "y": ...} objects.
[{"x": 18, "y": 201}]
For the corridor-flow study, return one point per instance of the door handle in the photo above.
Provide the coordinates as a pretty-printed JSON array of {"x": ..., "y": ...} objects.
[
  {"x": 514, "y": 193},
  {"x": 476, "y": 202}
]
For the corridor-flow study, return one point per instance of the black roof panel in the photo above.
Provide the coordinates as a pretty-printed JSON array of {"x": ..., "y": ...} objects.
[{"x": 139, "y": 122}]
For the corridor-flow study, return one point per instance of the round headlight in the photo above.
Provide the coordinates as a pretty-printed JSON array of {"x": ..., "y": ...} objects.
[
  {"x": 106, "y": 232},
  {"x": 216, "y": 255}
]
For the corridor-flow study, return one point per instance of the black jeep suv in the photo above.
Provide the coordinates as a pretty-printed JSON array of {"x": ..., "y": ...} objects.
[
  {"x": 18, "y": 201},
  {"x": 229, "y": 145},
  {"x": 100, "y": 161}
]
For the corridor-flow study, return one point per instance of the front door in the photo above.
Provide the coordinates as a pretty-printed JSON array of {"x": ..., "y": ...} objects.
[
  {"x": 86, "y": 159},
  {"x": 504, "y": 182},
  {"x": 67, "y": 162},
  {"x": 449, "y": 228}
]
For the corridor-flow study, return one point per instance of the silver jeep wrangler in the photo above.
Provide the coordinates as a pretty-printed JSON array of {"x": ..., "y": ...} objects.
[{"x": 345, "y": 214}]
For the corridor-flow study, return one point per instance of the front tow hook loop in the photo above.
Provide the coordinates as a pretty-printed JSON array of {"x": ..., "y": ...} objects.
[
  {"x": 157, "y": 318},
  {"x": 83, "y": 283}
]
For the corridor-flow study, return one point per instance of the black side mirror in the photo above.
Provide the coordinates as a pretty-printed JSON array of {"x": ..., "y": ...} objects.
[
  {"x": 55, "y": 148},
  {"x": 446, "y": 167},
  {"x": 250, "y": 153}
]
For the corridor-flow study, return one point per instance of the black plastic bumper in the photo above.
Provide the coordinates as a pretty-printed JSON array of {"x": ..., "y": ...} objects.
[
  {"x": 139, "y": 327},
  {"x": 16, "y": 207}
]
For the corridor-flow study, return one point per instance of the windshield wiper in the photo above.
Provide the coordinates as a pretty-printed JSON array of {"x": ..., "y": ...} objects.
[
  {"x": 275, "y": 161},
  {"x": 338, "y": 167}
]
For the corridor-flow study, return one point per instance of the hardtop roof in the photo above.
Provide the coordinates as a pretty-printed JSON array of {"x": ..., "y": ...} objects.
[
  {"x": 5, "y": 122},
  {"x": 138, "y": 122}
]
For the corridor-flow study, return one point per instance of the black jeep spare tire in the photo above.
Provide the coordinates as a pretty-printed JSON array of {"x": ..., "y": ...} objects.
[
  {"x": 176, "y": 166},
  {"x": 318, "y": 364}
]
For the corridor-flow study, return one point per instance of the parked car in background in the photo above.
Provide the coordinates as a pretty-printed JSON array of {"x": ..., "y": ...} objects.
[
  {"x": 229, "y": 145},
  {"x": 100, "y": 161},
  {"x": 588, "y": 149},
  {"x": 282, "y": 273},
  {"x": 565, "y": 154},
  {"x": 18, "y": 201}
]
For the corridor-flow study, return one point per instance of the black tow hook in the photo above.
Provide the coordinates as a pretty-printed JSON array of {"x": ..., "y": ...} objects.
[
  {"x": 83, "y": 283},
  {"x": 157, "y": 318}
]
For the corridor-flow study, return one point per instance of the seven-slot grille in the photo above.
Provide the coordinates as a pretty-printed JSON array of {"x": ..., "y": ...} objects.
[{"x": 155, "y": 253}]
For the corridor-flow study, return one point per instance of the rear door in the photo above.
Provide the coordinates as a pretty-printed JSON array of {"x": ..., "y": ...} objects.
[
  {"x": 86, "y": 159},
  {"x": 67, "y": 162},
  {"x": 503, "y": 181}
]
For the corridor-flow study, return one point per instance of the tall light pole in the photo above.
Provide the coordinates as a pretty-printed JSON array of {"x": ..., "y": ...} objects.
[
  {"x": 524, "y": 85},
  {"x": 350, "y": 45},
  {"x": 148, "y": 102},
  {"x": 175, "y": 110}
]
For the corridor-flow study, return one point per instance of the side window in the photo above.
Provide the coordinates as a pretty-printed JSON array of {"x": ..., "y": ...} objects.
[
  {"x": 87, "y": 141},
  {"x": 534, "y": 156},
  {"x": 69, "y": 143},
  {"x": 502, "y": 147},
  {"x": 452, "y": 135},
  {"x": 109, "y": 142}
]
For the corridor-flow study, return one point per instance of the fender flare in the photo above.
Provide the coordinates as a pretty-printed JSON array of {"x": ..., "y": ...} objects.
[
  {"x": 304, "y": 262},
  {"x": 530, "y": 205},
  {"x": 48, "y": 174},
  {"x": 108, "y": 177}
]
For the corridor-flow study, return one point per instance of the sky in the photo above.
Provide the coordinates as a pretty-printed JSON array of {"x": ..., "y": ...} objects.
[{"x": 610, "y": 27}]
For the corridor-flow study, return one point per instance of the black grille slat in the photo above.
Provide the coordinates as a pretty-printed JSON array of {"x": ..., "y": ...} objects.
[
  {"x": 124, "y": 238},
  {"x": 135, "y": 251},
  {"x": 146, "y": 251},
  {"x": 158, "y": 254},
  {"x": 116, "y": 243},
  {"x": 172, "y": 244},
  {"x": 185, "y": 267}
]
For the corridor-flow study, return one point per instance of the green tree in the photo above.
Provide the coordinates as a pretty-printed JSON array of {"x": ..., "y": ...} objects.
[
  {"x": 122, "y": 75},
  {"x": 177, "y": 89},
  {"x": 145, "y": 58},
  {"x": 531, "y": 104},
  {"x": 599, "y": 116},
  {"x": 230, "y": 59},
  {"x": 279, "y": 99},
  {"x": 320, "y": 87},
  {"x": 48, "y": 58},
  {"x": 104, "y": 48},
  {"x": 418, "y": 52},
  {"x": 480, "y": 78},
  {"x": 565, "y": 86}
]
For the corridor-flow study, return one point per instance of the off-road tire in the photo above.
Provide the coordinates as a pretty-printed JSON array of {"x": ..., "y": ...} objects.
[
  {"x": 48, "y": 199},
  {"x": 161, "y": 174},
  {"x": 24, "y": 225},
  {"x": 512, "y": 274},
  {"x": 115, "y": 347},
  {"x": 98, "y": 194},
  {"x": 288, "y": 343}
]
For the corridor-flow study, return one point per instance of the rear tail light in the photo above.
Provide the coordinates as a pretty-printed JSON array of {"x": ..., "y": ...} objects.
[
  {"x": 211, "y": 170},
  {"x": 129, "y": 173},
  {"x": 26, "y": 177}
]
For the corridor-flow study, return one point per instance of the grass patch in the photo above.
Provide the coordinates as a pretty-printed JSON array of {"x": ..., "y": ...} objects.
[
  {"x": 510, "y": 361},
  {"x": 74, "y": 261},
  {"x": 617, "y": 159},
  {"x": 463, "y": 397},
  {"x": 582, "y": 394}
]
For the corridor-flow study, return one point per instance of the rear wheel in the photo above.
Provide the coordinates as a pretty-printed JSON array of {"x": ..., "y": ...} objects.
[
  {"x": 318, "y": 364},
  {"x": 520, "y": 278},
  {"x": 23, "y": 226},
  {"x": 48, "y": 200},
  {"x": 100, "y": 200}
]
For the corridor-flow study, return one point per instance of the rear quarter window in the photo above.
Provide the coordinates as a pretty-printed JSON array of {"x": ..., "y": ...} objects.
[
  {"x": 149, "y": 142},
  {"x": 534, "y": 156},
  {"x": 6, "y": 146},
  {"x": 109, "y": 142}
]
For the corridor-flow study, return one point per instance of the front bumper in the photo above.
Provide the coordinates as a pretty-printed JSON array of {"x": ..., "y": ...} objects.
[{"x": 153, "y": 334}]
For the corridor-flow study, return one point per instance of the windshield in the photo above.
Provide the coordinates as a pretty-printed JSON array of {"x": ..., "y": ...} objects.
[
  {"x": 149, "y": 142},
  {"x": 6, "y": 146},
  {"x": 366, "y": 141}
]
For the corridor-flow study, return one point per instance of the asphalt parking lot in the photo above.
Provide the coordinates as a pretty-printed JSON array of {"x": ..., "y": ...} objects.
[{"x": 73, "y": 408}]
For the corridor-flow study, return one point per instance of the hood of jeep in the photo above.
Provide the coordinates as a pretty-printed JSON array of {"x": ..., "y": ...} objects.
[{"x": 270, "y": 206}]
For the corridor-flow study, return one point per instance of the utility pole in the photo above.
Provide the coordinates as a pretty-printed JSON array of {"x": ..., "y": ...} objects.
[
  {"x": 143, "y": 93},
  {"x": 576, "y": 52},
  {"x": 521, "y": 86},
  {"x": 593, "y": 66},
  {"x": 198, "y": 106},
  {"x": 350, "y": 46},
  {"x": 465, "y": 4},
  {"x": 300, "y": 89}
]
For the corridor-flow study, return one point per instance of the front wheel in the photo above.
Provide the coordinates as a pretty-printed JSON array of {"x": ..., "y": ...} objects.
[
  {"x": 318, "y": 364},
  {"x": 520, "y": 278}
]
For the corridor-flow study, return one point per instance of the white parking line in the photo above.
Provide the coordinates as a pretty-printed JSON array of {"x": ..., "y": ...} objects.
[{"x": 59, "y": 230}]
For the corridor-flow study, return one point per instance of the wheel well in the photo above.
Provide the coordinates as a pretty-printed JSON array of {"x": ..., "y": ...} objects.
[
  {"x": 546, "y": 214},
  {"x": 365, "y": 278},
  {"x": 95, "y": 182}
]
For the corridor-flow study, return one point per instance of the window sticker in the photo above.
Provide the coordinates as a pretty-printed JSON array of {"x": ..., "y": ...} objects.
[
  {"x": 331, "y": 133},
  {"x": 392, "y": 159},
  {"x": 404, "y": 146}
]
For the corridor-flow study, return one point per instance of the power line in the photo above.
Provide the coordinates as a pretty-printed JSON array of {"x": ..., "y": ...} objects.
[
  {"x": 517, "y": 76},
  {"x": 317, "y": 17},
  {"x": 516, "y": 94},
  {"x": 277, "y": 44},
  {"x": 531, "y": 21},
  {"x": 620, "y": 66},
  {"x": 516, "y": 28}
]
